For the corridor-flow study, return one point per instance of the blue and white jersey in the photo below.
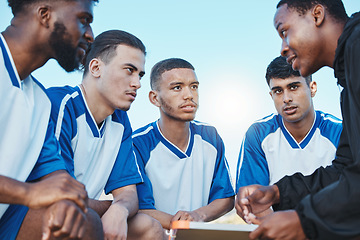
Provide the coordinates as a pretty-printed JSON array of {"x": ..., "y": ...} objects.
[
  {"x": 269, "y": 152},
  {"x": 101, "y": 158},
  {"x": 175, "y": 180},
  {"x": 28, "y": 148}
]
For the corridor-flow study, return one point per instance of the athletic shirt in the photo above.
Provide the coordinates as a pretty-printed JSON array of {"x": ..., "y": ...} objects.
[
  {"x": 101, "y": 158},
  {"x": 28, "y": 148},
  {"x": 175, "y": 180},
  {"x": 269, "y": 152}
]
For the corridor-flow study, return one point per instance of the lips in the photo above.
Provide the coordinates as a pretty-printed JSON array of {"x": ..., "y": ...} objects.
[
  {"x": 132, "y": 95},
  {"x": 291, "y": 61},
  {"x": 290, "y": 110}
]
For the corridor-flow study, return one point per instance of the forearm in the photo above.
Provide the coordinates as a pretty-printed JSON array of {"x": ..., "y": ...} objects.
[
  {"x": 13, "y": 191},
  {"x": 100, "y": 207},
  {"x": 162, "y": 217},
  {"x": 215, "y": 209}
]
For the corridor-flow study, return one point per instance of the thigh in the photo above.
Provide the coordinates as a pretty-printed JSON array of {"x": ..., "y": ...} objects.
[
  {"x": 31, "y": 228},
  {"x": 11, "y": 221}
]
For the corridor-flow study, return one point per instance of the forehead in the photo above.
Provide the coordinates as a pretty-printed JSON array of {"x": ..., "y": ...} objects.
[
  {"x": 75, "y": 7},
  {"x": 126, "y": 54},
  {"x": 184, "y": 75},
  {"x": 282, "y": 83},
  {"x": 284, "y": 15}
]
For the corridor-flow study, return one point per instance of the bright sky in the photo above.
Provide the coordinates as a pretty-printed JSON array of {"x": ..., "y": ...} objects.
[{"x": 229, "y": 42}]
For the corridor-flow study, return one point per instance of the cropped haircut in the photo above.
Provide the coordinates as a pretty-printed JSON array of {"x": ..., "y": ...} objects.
[
  {"x": 105, "y": 44},
  {"x": 280, "y": 68},
  {"x": 164, "y": 66},
  {"x": 20, "y": 5},
  {"x": 335, "y": 8}
]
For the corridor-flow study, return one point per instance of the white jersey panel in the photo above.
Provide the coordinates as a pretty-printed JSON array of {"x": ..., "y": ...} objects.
[
  {"x": 24, "y": 118},
  {"x": 284, "y": 160},
  {"x": 94, "y": 171},
  {"x": 189, "y": 178}
]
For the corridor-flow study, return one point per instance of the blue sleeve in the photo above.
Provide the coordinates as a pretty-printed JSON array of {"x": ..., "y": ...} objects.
[
  {"x": 49, "y": 159},
  {"x": 125, "y": 170},
  {"x": 252, "y": 167},
  {"x": 221, "y": 186},
  {"x": 65, "y": 126},
  {"x": 144, "y": 190}
]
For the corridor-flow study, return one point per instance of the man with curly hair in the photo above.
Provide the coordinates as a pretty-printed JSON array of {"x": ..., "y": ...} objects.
[{"x": 32, "y": 172}]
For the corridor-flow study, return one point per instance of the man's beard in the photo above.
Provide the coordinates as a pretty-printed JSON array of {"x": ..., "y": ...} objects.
[{"x": 65, "y": 53}]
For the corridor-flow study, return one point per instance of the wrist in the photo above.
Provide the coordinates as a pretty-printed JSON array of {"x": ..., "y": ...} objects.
[{"x": 276, "y": 191}]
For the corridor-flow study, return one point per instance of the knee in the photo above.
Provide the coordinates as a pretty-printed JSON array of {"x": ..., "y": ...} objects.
[
  {"x": 144, "y": 227},
  {"x": 94, "y": 229}
]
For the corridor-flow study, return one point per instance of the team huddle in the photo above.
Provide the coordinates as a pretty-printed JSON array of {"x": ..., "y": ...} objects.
[{"x": 298, "y": 170}]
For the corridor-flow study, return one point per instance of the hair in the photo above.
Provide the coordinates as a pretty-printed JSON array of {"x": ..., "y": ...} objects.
[
  {"x": 166, "y": 65},
  {"x": 335, "y": 8},
  {"x": 280, "y": 68},
  {"x": 105, "y": 44},
  {"x": 20, "y": 5}
]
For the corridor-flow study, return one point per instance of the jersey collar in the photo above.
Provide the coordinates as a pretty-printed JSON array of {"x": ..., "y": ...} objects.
[
  {"x": 291, "y": 140},
  {"x": 174, "y": 149}
]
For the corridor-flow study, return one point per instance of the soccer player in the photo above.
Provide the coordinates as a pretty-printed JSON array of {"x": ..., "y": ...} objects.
[
  {"x": 316, "y": 34},
  {"x": 32, "y": 173},
  {"x": 297, "y": 139},
  {"x": 186, "y": 175},
  {"x": 94, "y": 132}
]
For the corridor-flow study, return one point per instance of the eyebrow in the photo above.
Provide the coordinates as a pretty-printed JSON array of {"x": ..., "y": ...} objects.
[
  {"x": 278, "y": 25},
  {"x": 142, "y": 73},
  {"x": 289, "y": 85}
]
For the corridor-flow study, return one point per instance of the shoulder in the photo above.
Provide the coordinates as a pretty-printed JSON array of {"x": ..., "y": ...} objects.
[
  {"x": 58, "y": 94},
  {"x": 145, "y": 135},
  {"x": 264, "y": 126},
  {"x": 328, "y": 120}
]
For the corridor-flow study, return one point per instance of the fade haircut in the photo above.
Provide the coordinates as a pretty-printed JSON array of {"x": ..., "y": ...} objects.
[
  {"x": 280, "y": 68},
  {"x": 164, "y": 66},
  {"x": 20, "y": 5},
  {"x": 105, "y": 44},
  {"x": 335, "y": 8}
]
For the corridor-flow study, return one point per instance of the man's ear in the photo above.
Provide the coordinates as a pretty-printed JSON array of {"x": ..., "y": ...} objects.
[
  {"x": 154, "y": 98},
  {"x": 318, "y": 14},
  {"x": 95, "y": 67},
  {"x": 44, "y": 15},
  {"x": 313, "y": 88}
]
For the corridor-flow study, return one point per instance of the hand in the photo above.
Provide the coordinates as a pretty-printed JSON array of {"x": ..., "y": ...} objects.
[
  {"x": 279, "y": 225},
  {"x": 187, "y": 215},
  {"x": 115, "y": 222},
  {"x": 56, "y": 187},
  {"x": 255, "y": 199},
  {"x": 64, "y": 219}
]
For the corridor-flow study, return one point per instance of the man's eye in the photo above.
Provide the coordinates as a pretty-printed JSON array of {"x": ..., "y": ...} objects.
[
  {"x": 130, "y": 70},
  {"x": 194, "y": 86},
  {"x": 176, "y": 88},
  {"x": 277, "y": 91},
  {"x": 293, "y": 87}
]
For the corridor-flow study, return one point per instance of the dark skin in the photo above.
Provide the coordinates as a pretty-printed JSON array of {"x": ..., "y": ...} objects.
[
  {"x": 307, "y": 56},
  {"x": 61, "y": 200}
]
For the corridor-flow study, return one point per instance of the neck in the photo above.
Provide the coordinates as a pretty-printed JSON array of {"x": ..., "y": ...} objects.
[
  {"x": 177, "y": 132},
  {"x": 28, "y": 55},
  {"x": 301, "y": 128},
  {"x": 98, "y": 109}
]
